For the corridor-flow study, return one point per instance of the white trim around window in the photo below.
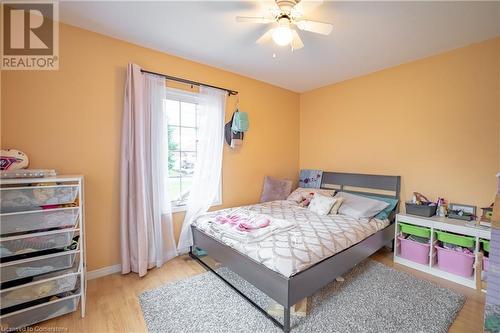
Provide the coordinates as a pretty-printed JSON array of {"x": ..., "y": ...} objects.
[{"x": 188, "y": 97}]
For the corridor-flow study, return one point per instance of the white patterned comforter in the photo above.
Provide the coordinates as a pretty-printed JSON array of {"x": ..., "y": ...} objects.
[{"x": 315, "y": 238}]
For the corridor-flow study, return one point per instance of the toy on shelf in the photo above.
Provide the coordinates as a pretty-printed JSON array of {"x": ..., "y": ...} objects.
[
  {"x": 487, "y": 215},
  {"x": 442, "y": 207},
  {"x": 13, "y": 159}
]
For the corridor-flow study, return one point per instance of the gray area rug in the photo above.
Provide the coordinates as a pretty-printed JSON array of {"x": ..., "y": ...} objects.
[{"x": 372, "y": 298}]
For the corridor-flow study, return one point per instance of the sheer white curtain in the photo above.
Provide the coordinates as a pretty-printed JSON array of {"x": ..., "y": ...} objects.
[
  {"x": 208, "y": 168},
  {"x": 147, "y": 238}
]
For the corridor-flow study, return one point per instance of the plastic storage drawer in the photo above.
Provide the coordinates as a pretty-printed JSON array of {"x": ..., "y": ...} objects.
[
  {"x": 455, "y": 262},
  {"x": 11, "y": 246},
  {"x": 18, "y": 269},
  {"x": 486, "y": 264},
  {"x": 464, "y": 241},
  {"x": 486, "y": 260},
  {"x": 486, "y": 245},
  {"x": 38, "y": 313},
  {"x": 38, "y": 289},
  {"x": 415, "y": 230},
  {"x": 14, "y": 199},
  {"x": 414, "y": 251},
  {"x": 38, "y": 220}
]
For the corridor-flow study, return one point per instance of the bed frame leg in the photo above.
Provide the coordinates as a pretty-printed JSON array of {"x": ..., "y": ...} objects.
[{"x": 286, "y": 319}]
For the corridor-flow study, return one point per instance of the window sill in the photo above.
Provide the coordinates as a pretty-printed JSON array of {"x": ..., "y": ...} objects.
[
  {"x": 183, "y": 208},
  {"x": 178, "y": 209}
]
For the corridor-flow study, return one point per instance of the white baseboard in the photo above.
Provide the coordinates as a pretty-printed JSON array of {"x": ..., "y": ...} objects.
[{"x": 104, "y": 271}]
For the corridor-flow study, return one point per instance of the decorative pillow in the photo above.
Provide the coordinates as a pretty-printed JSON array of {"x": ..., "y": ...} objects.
[
  {"x": 302, "y": 193},
  {"x": 275, "y": 189},
  {"x": 360, "y": 207},
  {"x": 384, "y": 214},
  {"x": 321, "y": 204},
  {"x": 336, "y": 206},
  {"x": 310, "y": 178}
]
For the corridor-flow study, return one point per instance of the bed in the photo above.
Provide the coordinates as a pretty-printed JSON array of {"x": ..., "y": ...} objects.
[{"x": 292, "y": 265}]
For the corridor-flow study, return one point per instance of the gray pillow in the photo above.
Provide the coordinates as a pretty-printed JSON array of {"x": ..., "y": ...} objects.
[
  {"x": 358, "y": 206},
  {"x": 275, "y": 189}
]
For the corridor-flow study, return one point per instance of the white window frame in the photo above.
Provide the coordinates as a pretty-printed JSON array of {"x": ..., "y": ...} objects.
[{"x": 188, "y": 97}]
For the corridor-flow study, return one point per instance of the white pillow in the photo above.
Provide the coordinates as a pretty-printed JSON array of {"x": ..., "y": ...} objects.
[
  {"x": 360, "y": 207},
  {"x": 301, "y": 193},
  {"x": 321, "y": 204}
]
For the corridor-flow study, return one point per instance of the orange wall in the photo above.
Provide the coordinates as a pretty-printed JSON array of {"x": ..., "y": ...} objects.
[
  {"x": 70, "y": 120},
  {"x": 435, "y": 122}
]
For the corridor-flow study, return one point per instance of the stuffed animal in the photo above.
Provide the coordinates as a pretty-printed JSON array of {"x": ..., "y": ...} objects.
[
  {"x": 306, "y": 200},
  {"x": 12, "y": 159}
]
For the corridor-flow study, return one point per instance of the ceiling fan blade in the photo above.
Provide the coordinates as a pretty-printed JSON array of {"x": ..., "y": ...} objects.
[
  {"x": 315, "y": 26},
  {"x": 296, "y": 41},
  {"x": 265, "y": 37},
  {"x": 306, "y": 6},
  {"x": 254, "y": 19},
  {"x": 268, "y": 9}
]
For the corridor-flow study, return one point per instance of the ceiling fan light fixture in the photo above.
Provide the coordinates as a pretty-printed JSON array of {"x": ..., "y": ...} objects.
[
  {"x": 285, "y": 17},
  {"x": 282, "y": 36}
]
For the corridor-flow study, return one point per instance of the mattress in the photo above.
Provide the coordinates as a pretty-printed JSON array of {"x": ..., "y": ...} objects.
[{"x": 314, "y": 238}]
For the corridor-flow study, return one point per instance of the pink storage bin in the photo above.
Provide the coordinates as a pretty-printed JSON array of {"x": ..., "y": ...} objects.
[
  {"x": 455, "y": 262},
  {"x": 414, "y": 251},
  {"x": 486, "y": 263}
]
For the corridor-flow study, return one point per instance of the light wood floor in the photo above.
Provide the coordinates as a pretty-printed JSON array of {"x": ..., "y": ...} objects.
[{"x": 113, "y": 306}]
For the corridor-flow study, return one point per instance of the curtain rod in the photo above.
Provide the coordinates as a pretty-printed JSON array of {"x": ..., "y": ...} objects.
[{"x": 194, "y": 83}]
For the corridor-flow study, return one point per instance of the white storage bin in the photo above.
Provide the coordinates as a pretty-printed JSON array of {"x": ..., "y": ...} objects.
[
  {"x": 38, "y": 220},
  {"x": 38, "y": 289},
  {"x": 38, "y": 313},
  {"x": 14, "y": 199},
  {"x": 18, "y": 269},
  {"x": 11, "y": 246}
]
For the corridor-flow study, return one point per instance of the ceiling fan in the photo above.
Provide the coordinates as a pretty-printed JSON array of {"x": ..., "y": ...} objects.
[{"x": 289, "y": 13}]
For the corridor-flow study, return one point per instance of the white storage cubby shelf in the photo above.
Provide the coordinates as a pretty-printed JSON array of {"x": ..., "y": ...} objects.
[
  {"x": 448, "y": 225},
  {"x": 42, "y": 273}
]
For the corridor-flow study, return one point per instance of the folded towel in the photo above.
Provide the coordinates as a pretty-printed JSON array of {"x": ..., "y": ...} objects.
[
  {"x": 247, "y": 226},
  {"x": 243, "y": 221}
]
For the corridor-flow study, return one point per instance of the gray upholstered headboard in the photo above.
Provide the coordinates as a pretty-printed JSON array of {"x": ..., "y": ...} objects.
[{"x": 384, "y": 186}]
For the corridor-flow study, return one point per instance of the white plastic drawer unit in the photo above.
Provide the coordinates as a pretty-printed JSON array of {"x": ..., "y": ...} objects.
[
  {"x": 42, "y": 274},
  {"x": 42, "y": 286},
  {"x": 38, "y": 313},
  {"x": 29, "y": 243},
  {"x": 14, "y": 199},
  {"x": 18, "y": 269},
  {"x": 12, "y": 223}
]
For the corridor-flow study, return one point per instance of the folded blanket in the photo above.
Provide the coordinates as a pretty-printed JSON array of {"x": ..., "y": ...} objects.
[{"x": 246, "y": 226}]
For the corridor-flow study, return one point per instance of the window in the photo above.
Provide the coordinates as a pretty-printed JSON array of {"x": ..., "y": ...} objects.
[{"x": 182, "y": 114}]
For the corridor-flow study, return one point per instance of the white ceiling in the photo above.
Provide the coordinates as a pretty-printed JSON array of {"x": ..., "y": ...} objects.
[{"x": 367, "y": 36}]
